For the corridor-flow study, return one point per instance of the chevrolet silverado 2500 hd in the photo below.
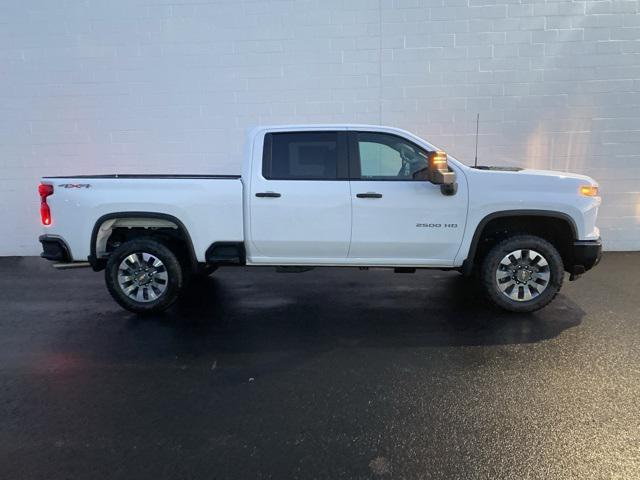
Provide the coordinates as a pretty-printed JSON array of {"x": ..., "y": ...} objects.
[{"x": 336, "y": 195}]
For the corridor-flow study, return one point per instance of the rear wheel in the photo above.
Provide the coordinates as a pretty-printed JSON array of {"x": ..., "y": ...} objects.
[
  {"x": 522, "y": 273},
  {"x": 143, "y": 276}
]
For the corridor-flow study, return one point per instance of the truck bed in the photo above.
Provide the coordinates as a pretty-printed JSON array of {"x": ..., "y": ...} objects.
[{"x": 209, "y": 206}]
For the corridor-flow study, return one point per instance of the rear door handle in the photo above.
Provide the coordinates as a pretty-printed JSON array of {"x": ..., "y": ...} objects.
[
  {"x": 268, "y": 194},
  {"x": 369, "y": 195}
]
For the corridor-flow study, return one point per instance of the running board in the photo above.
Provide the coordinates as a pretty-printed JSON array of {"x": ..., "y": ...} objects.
[
  {"x": 292, "y": 269},
  {"x": 404, "y": 270},
  {"x": 67, "y": 266}
]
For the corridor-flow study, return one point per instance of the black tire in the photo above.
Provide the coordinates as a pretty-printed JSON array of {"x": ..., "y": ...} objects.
[
  {"x": 170, "y": 265},
  {"x": 491, "y": 263}
]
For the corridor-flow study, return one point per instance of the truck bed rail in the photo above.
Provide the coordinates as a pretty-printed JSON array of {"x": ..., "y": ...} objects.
[{"x": 150, "y": 176}]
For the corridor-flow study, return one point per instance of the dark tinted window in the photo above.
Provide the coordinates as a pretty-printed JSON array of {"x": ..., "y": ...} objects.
[{"x": 301, "y": 156}]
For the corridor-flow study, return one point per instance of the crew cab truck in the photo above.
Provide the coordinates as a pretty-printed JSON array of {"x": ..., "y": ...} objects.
[{"x": 333, "y": 195}]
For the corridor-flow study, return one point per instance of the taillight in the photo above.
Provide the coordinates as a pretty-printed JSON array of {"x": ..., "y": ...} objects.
[{"x": 45, "y": 212}]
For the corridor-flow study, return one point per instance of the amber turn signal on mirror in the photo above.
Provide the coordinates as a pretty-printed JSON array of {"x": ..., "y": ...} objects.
[
  {"x": 589, "y": 190},
  {"x": 439, "y": 172},
  {"x": 438, "y": 160}
]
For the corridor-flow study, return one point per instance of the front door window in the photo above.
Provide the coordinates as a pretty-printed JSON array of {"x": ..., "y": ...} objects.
[{"x": 388, "y": 157}]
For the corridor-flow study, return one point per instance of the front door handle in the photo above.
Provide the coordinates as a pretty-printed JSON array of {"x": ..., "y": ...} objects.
[
  {"x": 369, "y": 195},
  {"x": 268, "y": 194}
]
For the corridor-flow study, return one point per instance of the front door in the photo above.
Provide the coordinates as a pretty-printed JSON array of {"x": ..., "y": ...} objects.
[
  {"x": 398, "y": 220},
  {"x": 300, "y": 204}
]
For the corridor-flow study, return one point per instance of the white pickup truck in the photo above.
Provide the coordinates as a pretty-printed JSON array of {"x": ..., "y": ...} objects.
[{"x": 330, "y": 195}]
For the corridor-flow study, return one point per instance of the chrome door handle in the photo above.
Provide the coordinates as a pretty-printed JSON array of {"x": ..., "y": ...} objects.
[{"x": 369, "y": 195}]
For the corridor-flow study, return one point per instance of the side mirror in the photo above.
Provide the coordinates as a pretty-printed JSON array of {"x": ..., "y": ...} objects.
[{"x": 438, "y": 169}]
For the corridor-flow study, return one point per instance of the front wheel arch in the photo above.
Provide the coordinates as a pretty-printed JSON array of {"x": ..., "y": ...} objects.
[{"x": 557, "y": 228}]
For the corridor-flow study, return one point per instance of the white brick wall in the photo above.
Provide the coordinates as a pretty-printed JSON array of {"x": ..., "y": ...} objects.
[{"x": 96, "y": 86}]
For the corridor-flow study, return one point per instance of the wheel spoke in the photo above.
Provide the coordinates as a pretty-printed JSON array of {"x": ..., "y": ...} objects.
[
  {"x": 526, "y": 293},
  {"x": 542, "y": 274},
  {"x": 507, "y": 285},
  {"x": 139, "y": 295},
  {"x": 130, "y": 261},
  {"x": 160, "y": 274},
  {"x": 131, "y": 290},
  {"x": 125, "y": 273},
  {"x": 509, "y": 291}
]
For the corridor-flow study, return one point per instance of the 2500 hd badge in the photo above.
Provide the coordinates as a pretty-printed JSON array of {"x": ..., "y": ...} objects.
[{"x": 437, "y": 225}]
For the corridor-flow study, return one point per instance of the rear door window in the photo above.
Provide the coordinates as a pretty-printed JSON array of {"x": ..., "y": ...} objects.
[{"x": 304, "y": 156}]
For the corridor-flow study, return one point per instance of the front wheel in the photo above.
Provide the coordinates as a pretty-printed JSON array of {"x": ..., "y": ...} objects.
[
  {"x": 143, "y": 276},
  {"x": 522, "y": 273}
]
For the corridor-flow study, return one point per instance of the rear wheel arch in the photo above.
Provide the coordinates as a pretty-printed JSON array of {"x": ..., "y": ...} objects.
[
  {"x": 160, "y": 222},
  {"x": 521, "y": 222}
]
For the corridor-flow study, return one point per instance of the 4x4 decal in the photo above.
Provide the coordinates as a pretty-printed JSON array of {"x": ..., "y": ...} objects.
[{"x": 75, "y": 185}]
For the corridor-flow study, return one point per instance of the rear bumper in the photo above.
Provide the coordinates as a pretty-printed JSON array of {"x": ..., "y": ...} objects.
[
  {"x": 584, "y": 255},
  {"x": 54, "y": 249}
]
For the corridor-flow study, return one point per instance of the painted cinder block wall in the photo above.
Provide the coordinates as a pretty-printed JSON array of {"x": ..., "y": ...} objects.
[{"x": 96, "y": 86}]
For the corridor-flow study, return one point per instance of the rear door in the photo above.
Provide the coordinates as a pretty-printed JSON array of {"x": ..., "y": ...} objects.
[
  {"x": 300, "y": 202},
  {"x": 396, "y": 219}
]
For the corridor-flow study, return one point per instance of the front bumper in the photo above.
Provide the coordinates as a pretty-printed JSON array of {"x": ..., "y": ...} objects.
[
  {"x": 54, "y": 249},
  {"x": 584, "y": 255}
]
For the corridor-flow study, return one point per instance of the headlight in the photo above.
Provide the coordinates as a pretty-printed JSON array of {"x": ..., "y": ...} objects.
[{"x": 589, "y": 190}]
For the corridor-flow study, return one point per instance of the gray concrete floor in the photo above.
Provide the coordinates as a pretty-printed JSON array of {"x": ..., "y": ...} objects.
[{"x": 325, "y": 374}]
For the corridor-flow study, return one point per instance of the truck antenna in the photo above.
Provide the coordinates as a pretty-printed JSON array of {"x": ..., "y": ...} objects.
[{"x": 477, "y": 123}]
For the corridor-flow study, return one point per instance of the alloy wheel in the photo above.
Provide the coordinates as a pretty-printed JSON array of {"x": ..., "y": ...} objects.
[
  {"x": 142, "y": 277},
  {"x": 523, "y": 274}
]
